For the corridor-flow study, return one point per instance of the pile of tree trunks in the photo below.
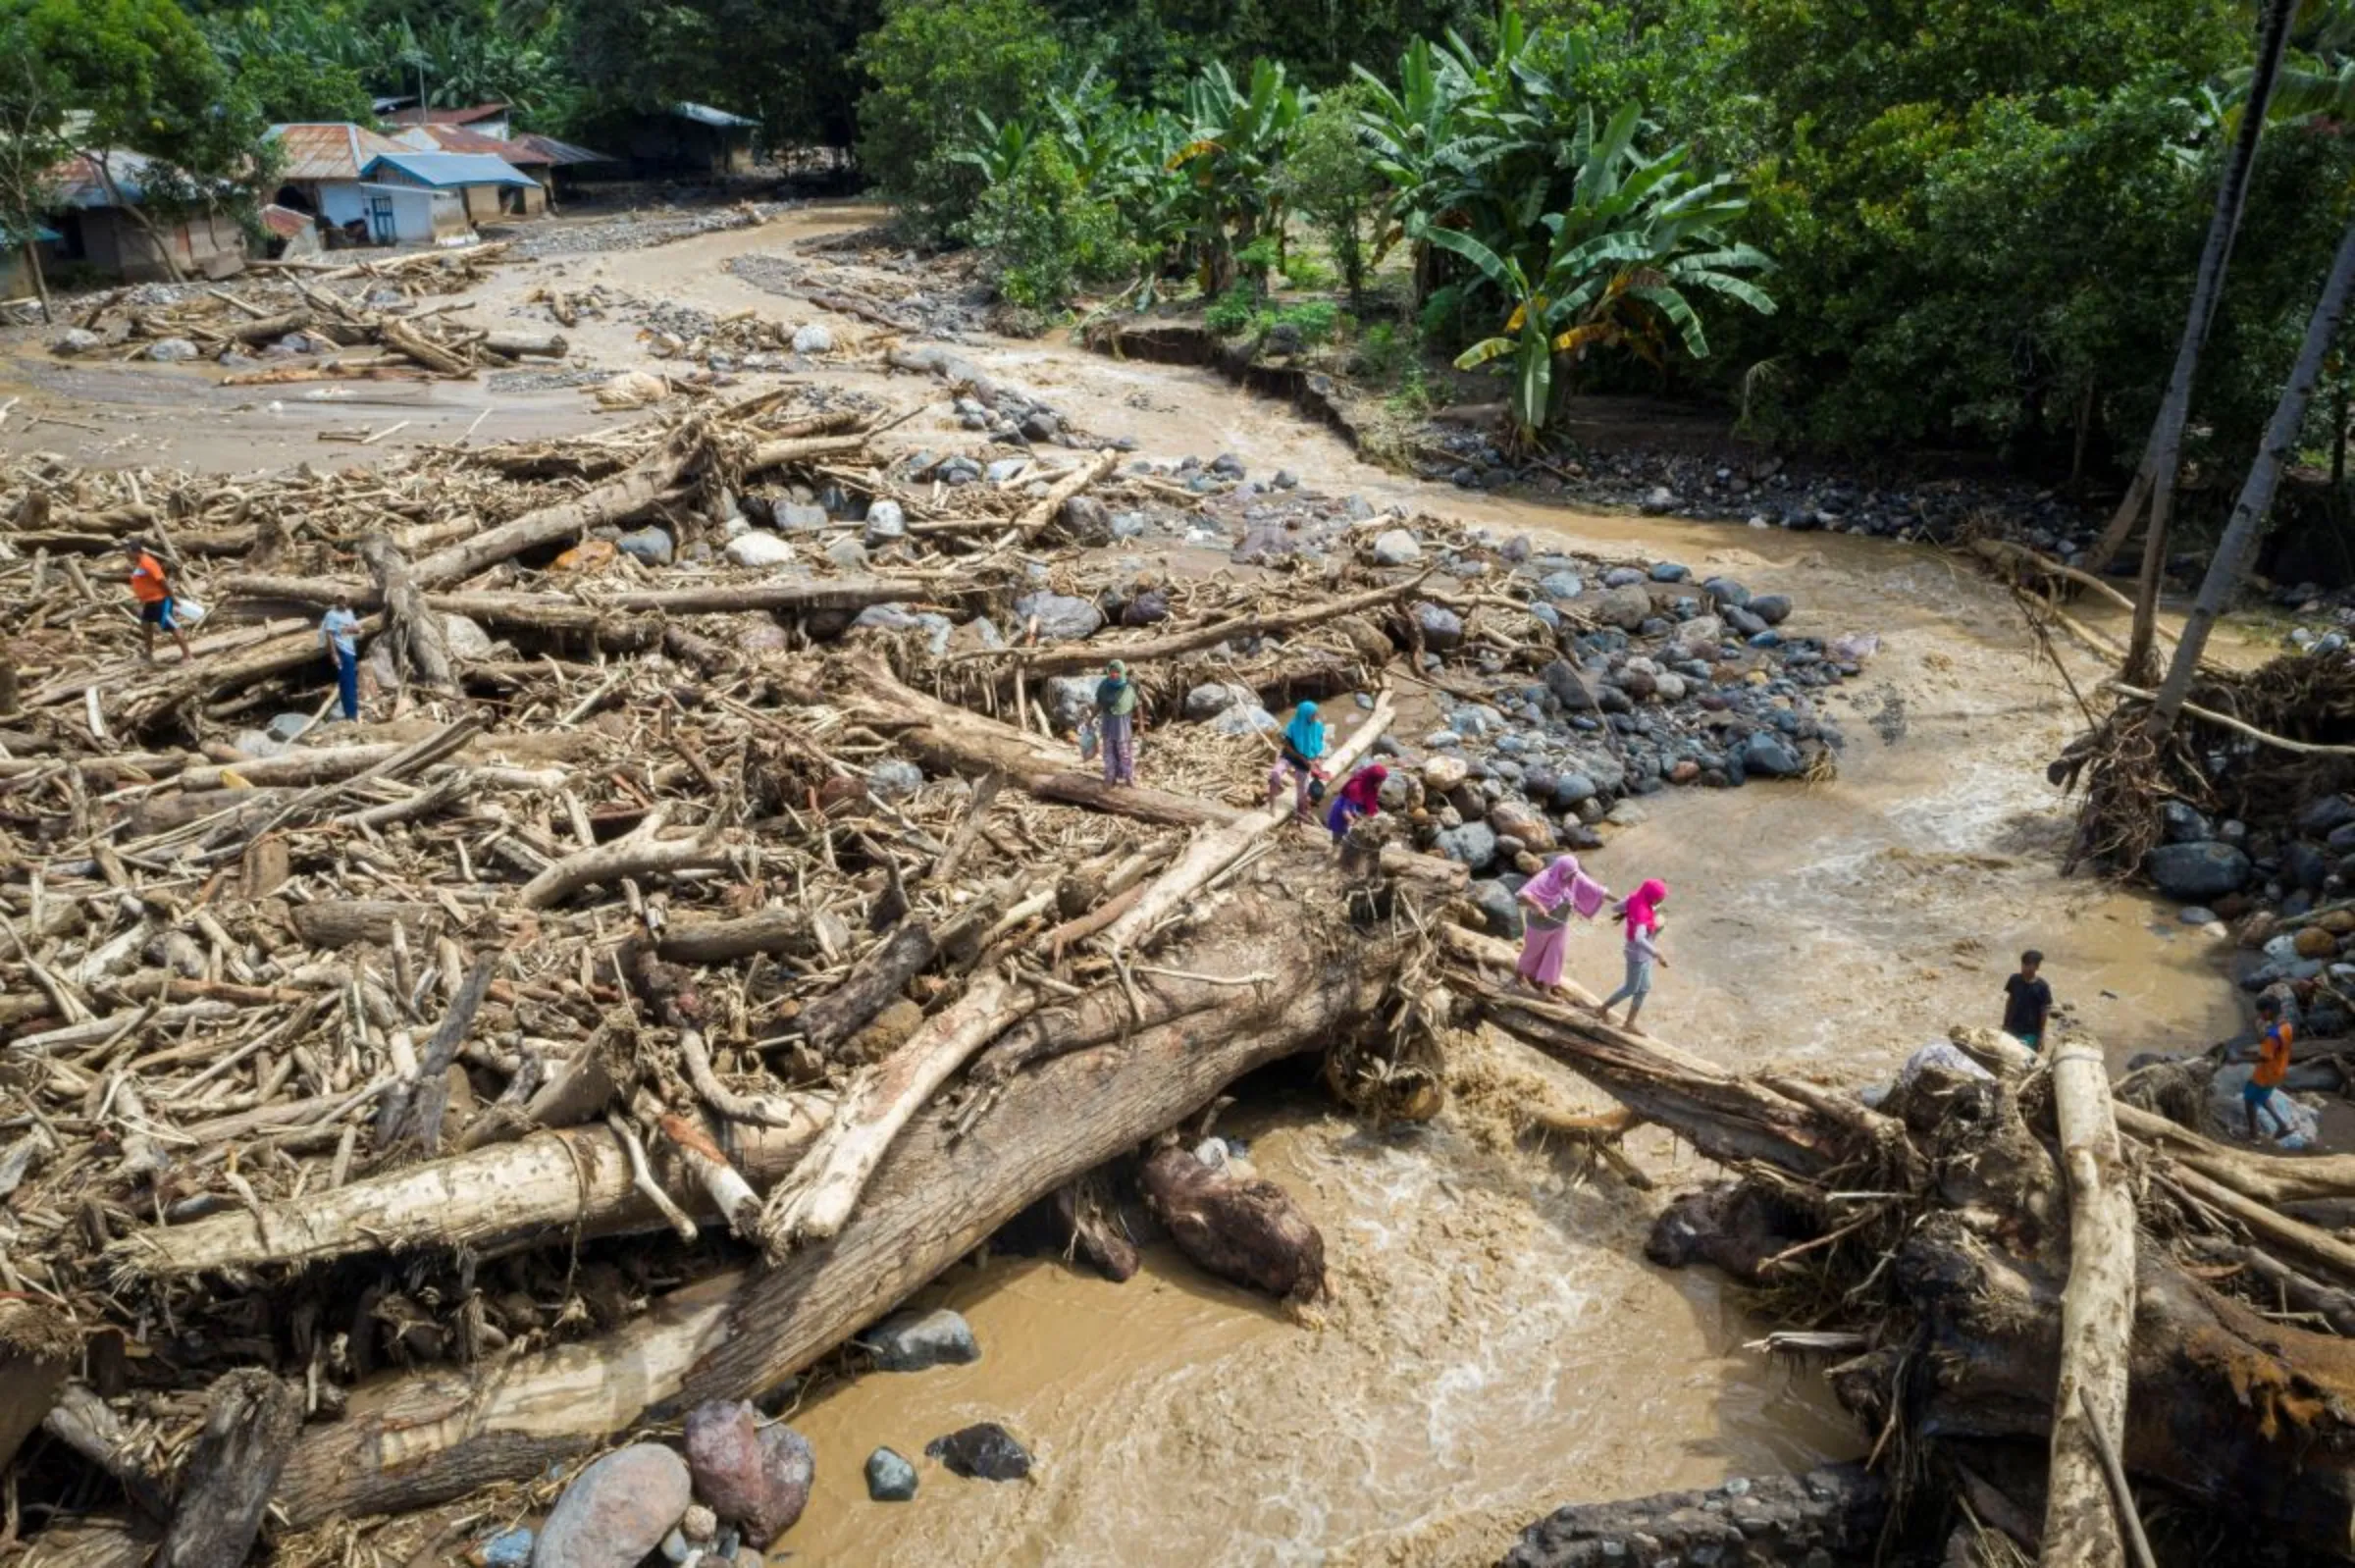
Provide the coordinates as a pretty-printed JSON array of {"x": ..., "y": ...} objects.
[
  {"x": 629, "y": 1019},
  {"x": 2072, "y": 1330}
]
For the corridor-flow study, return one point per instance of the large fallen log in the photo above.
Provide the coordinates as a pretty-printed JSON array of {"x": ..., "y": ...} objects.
[
  {"x": 420, "y": 648},
  {"x": 947, "y": 739},
  {"x": 487, "y": 1200},
  {"x": 561, "y": 612},
  {"x": 616, "y": 500},
  {"x": 408, "y": 1442},
  {"x": 2097, "y": 1311}
]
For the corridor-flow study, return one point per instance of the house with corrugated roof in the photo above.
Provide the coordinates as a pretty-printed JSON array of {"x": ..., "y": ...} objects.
[
  {"x": 529, "y": 161},
  {"x": 101, "y": 222},
  {"x": 323, "y": 157},
  {"x": 482, "y": 183},
  {"x": 485, "y": 119},
  {"x": 691, "y": 138}
]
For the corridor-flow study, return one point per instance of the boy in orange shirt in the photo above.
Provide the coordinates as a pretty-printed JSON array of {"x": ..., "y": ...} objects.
[
  {"x": 2274, "y": 1035},
  {"x": 154, "y": 593}
]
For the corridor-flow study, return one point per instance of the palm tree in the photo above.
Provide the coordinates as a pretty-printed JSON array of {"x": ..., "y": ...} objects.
[
  {"x": 2155, "y": 477},
  {"x": 2236, "y": 550}
]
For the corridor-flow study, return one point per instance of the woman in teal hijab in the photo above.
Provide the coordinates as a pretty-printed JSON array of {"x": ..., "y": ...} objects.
[
  {"x": 1115, "y": 718},
  {"x": 1303, "y": 749}
]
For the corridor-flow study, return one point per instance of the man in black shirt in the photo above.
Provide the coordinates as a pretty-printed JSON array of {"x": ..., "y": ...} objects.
[{"x": 2027, "y": 1002}]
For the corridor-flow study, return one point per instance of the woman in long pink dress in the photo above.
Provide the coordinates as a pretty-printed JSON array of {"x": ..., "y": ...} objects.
[{"x": 1551, "y": 898}]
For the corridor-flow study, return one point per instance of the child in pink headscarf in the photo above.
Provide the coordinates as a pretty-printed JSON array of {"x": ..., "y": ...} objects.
[
  {"x": 1641, "y": 913},
  {"x": 1552, "y": 897}
]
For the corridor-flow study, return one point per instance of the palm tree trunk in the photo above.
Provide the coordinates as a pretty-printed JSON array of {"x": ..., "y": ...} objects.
[
  {"x": 2238, "y": 546},
  {"x": 2155, "y": 477}
]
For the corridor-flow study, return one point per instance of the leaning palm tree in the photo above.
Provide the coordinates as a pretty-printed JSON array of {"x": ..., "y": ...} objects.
[
  {"x": 2234, "y": 551},
  {"x": 2155, "y": 477}
]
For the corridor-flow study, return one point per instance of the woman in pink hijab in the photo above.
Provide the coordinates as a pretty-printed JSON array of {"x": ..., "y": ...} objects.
[
  {"x": 1552, "y": 897},
  {"x": 1641, "y": 911}
]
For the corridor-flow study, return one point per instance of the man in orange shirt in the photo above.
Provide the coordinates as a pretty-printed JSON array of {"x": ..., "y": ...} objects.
[
  {"x": 2274, "y": 1035},
  {"x": 154, "y": 593}
]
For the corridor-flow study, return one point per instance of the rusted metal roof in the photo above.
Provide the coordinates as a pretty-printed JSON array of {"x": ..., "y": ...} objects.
[
  {"x": 330, "y": 150},
  {"x": 284, "y": 221},
  {"x": 553, "y": 151},
  {"x": 447, "y": 117},
  {"x": 457, "y": 138}
]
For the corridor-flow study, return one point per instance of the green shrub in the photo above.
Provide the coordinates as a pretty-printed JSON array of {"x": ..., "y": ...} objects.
[
  {"x": 936, "y": 63},
  {"x": 1304, "y": 271},
  {"x": 1045, "y": 233},
  {"x": 1384, "y": 353},
  {"x": 1314, "y": 320},
  {"x": 1233, "y": 312}
]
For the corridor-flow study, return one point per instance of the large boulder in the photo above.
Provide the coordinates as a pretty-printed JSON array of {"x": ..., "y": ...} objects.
[
  {"x": 912, "y": 1341},
  {"x": 1515, "y": 817},
  {"x": 617, "y": 1510},
  {"x": 1768, "y": 755},
  {"x": 756, "y": 1476},
  {"x": 1626, "y": 607},
  {"x": 1213, "y": 698},
  {"x": 758, "y": 547},
  {"x": 1070, "y": 699},
  {"x": 2197, "y": 874},
  {"x": 1441, "y": 628},
  {"x": 1474, "y": 844},
  {"x": 1061, "y": 617},
  {"x": 1397, "y": 547},
  {"x": 1568, "y": 686}
]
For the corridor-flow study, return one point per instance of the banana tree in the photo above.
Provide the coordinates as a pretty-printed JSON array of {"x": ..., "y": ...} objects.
[
  {"x": 1526, "y": 338},
  {"x": 1000, "y": 149},
  {"x": 1236, "y": 141}
]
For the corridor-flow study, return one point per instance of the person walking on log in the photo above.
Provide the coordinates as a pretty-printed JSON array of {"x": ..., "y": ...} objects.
[
  {"x": 339, "y": 634},
  {"x": 2274, "y": 1037},
  {"x": 1360, "y": 797},
  {"x": 2027, "y": 1002},
  {"x": 153, "y": 591},
  {"x": 1640, "y": 914},
  {"x": 1552, "y": 896},
  {"x": 1303, "y": 748},
  {"x": 1115, "y": 718}
]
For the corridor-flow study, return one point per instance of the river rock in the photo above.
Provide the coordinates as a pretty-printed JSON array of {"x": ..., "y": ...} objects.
[
  {"x": 1569, "y": 686},
  {"x": 1561, "y": 584},
  {"x": 1626, "y": 607},
  {"x": 2312, "y": 942},
  {"x": 1068, "y": 699},
  {"x": 1086, "y": 521},
  {"x": 1213, "y": 698},
  {"x": 982, "y": 1452},
  {"x": 758, "y": 1477},
  {"x": 1668, "y": 686},
  {"x": 1244, "y": 719},
  {"x": 77, "y": 341},
  {"x": 812, "y": 337},
  {"x": 2305, "y": 865},
  {"x": 1570, "y": 788},
  {"x": 1514, "y": 817},
  {"x": 1474, "y": 844},
  {"x": 1061, "y": 617},
  {"x": 1772, "y": 608},
  {"x": 912, "y": 1341},
  {"x": 886, "y": 523},
  {"x": 1658, "y": 499},
  {"x": 1765, "y": 753},
  {"x": 1832, "y": 1514},
  {"x": 1670, "y": 572},
  {"x": 847, "y": 554},
  {"x": 889, "y": 1478},
  {"x": 1445, "y": 772},
  {"x": 172, "y": 351},
  {"x": 2183, "y": 824},
  {"x": 1441, "y": 628},
  {"x": 1499, "y": 910},
  {"x": 2227, "y": 1108},
  {"x": 758, "y": 547},
  {"x": 2320, "y": 817},
  {"x": 1396, "y": 546},
  {"x": 800, "y": 516},
  {"x": 509, "y": 1548},
  {"x": 617, "y": 1510},
  {"x": 2197, "y": 874},
  {"x": 650, "y": 545},
  {"x": 1725, "y": 590}
]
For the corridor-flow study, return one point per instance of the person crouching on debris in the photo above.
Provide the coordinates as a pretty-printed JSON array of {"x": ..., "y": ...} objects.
[
  {"x": 2274, "y": 1036},
  {"x": 1641, "y": 916},
  {"x": 2027, "y": 1002},
  {"x": 1360, "y": 797},
  {"x": 1303, "y": 748},
  {"x": 1115, "y": 717},
  {"x": 1552, "y": 897},
  {"x": 153, "y": 591},
  {"x": 339, "y": 634}
]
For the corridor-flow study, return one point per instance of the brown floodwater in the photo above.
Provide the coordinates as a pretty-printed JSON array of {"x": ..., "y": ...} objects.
[{"x": 1496, "y": 1344}]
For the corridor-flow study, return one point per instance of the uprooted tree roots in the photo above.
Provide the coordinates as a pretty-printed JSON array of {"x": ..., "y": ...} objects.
[{"x": 1929, "y": 1243}]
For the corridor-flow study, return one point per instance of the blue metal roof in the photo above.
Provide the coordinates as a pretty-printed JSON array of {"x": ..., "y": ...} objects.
[
  {"x": 447, "y": 170},
  {"x": 705, "y": 114}
]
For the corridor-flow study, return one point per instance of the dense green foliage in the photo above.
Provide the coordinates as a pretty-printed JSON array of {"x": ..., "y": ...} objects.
[{"x": 936, "y": 65}]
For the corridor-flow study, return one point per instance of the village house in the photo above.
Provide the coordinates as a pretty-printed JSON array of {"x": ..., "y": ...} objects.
[
  {"x": 367, "y": 188},
  {"x": 527, "y": 201},
  {"x": 101, "y": 223},
  {"x": 691, "y": 140},
  {"x": 483, "y": 183},
  {"x": 483, "y": 119}
]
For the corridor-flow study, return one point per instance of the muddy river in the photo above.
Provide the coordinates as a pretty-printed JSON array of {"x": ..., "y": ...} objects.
[{"x": 1496, "y": 1344}]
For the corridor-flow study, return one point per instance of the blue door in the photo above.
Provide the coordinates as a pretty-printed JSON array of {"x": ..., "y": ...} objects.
[{"x": 380, "y": 219}]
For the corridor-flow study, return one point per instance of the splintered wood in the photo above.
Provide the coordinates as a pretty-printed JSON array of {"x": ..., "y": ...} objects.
[{"x": 730, "y": 909}]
